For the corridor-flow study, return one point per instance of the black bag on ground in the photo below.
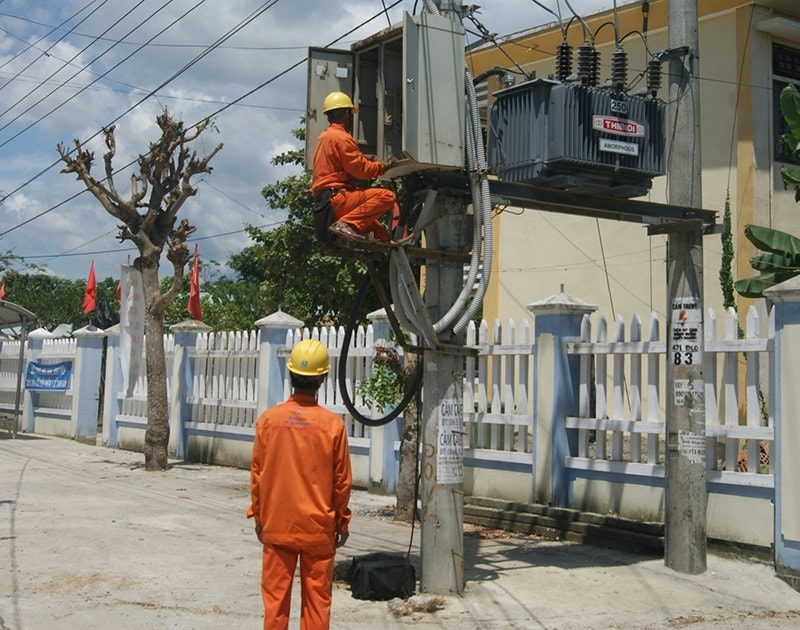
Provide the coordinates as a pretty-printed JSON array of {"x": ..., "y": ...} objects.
[
  {"x": 382, "y": 576},
  {"x": 323, "y": 216}
]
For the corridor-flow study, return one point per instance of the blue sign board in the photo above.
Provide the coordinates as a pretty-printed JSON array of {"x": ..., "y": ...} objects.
[{"x": 48, "y": 376}]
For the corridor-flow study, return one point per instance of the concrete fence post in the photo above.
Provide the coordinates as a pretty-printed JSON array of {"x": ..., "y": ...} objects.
[
  {"x": 112, "y": 401},
  {"x": 272, "y": 368},
  {"x": 786, "y": 369},
  {"x": 30, "y": 401},
  {"x": 86, "y": 383},
  {"x": 555, "y": 384},
  {"x": 183, "y": 367},
  {"x": 383, "y": 462}
]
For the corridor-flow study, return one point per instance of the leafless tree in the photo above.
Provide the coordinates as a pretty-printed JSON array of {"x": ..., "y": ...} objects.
[{"x": 148, "y": 217}]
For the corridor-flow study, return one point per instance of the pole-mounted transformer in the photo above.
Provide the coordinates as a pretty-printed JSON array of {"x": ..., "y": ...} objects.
[{"x": 578, "y": 136}]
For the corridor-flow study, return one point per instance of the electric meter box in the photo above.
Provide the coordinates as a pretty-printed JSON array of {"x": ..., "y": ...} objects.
[
  {"x": 407, "y": 82},
  {"x": 588, "y": 139}
]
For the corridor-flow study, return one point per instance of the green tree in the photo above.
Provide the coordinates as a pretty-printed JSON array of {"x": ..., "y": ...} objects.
[
  {"x": 725, "y": 273},
  {"x": 56, "y": 300},
  {"x": 286, "y": 268},
  {"x": 227, "y": 303}
]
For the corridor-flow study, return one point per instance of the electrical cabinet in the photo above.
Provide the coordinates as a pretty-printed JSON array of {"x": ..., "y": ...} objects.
[{"x": 407, "y": 82}]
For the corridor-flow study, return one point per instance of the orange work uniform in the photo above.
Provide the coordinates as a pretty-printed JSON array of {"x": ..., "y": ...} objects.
[
  {"x": 300, "y": 481},
  {"x": 337, "y": 163}
]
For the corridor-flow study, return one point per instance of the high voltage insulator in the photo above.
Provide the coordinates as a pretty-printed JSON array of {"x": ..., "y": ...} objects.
[
  {"x": 653, "y": 76},
  {"x": 564, "y": 61},
  {"x": 619, "y": 69},
  {"x": 588, "y": 63}
]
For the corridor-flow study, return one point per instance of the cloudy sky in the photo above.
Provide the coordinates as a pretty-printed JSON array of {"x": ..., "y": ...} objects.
[{"x": 70, "y": 67}]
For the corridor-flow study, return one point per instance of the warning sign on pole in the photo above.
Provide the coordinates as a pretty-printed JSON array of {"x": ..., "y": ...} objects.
[
  {"x": 450, "y": 455},
  {"x": 687, "y": 318}
]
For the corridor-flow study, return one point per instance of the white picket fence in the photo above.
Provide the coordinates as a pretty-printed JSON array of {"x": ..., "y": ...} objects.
[
  {"x": 53, "y": 351},
  {"x": 134, "y": 407},
  {"x": 225, "y": 381},
  {"x": 498, "y": 387},
  {"x": 9, "y": 370},
  {"x": 621, "y": 423}
]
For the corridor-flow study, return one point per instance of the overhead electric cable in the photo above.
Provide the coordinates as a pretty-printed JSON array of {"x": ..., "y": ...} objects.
[
  {"x": 96, "y": 79},
  {"x": 46, "y": 52},
  {"x": 211, "y": 115},
  {"x": 80, "y": 52}
]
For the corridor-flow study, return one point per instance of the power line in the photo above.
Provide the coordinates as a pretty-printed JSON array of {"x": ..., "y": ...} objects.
[
  {"x": 129, "y": 43},
  {"x": 241, "y": 25},
  {"x": 135, "y": 90},
  {"x": 124, "y": 59},
  {"x": 211, "y": 115},
  {"x": 64, "y": 65},
  {"x": 46, "y": 53}
]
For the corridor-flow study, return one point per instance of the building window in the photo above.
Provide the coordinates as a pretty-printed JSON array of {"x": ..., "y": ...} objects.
[{"x": 785, "y": 70}]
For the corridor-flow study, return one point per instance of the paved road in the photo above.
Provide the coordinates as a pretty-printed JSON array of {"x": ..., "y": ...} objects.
[{"x": 90, "y": 540}]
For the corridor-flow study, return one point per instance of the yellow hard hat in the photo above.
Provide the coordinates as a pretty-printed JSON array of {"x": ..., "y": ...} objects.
[
  {"x": 337, "y": 100},
  {"x": 309, "y": 358}
]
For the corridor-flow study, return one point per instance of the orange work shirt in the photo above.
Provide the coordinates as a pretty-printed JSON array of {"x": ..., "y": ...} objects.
[
  {"x": 338, "y": 161},
  {"x": 300, "y": 476}
]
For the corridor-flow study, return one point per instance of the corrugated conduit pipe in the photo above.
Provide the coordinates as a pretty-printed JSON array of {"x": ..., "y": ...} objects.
[{"x": 482, "y": 229}]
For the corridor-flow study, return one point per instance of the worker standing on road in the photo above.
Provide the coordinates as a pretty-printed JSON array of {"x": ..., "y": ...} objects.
[
  {"x": 338, "y": 162},
  {"x": 300, "y": 481}
]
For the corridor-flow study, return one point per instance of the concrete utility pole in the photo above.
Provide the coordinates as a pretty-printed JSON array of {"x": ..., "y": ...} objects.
[
  {"x": 442, "y": 422},
  {"x": 685, "y": 496},
  {"x": 442, "y": 492}
]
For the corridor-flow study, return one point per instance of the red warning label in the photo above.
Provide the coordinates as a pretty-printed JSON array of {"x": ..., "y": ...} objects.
[{"x": 618, "y": 126}]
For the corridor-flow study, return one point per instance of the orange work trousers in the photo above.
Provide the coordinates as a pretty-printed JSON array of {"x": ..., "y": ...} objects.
[
  {"x": 361, "y": 209},
  {"x": 316, "y": 585}
]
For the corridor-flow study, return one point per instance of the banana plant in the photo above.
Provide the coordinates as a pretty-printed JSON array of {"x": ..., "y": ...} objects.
[
  {"x": 779, "y": 257},
  {"x": 778, "y": 261},
  {"x": 790, "y": 109}
]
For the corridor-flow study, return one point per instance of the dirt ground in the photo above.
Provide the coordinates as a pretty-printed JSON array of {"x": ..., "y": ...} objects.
[{"x": 88, "y": 539}]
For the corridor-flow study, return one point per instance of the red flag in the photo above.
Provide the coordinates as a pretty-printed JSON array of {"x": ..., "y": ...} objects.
[
  {"x": 119, "y": 284},
  {"x": 90, "y": 296},
  {"x": 193, "y": 307},
  {"x": 3, "y": 291}
]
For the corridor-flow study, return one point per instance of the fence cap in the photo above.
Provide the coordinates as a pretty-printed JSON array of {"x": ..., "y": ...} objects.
[
  {"x": 378, "y": 315},
  {"x": 41, "y": 333},
  {"x": 88, "y": 331},
  {"x": 279, "y": 319},
  {"x": 787, "y": 291},
  {"x": 561, "y": 302},
  {"x": 190, "y": 326}
]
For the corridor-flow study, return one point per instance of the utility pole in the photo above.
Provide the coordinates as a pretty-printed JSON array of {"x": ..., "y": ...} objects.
[
  {"x": 685, "y": 491},
  {"x": 442, "y": 491},
  {"x": 442, "y": 423}
]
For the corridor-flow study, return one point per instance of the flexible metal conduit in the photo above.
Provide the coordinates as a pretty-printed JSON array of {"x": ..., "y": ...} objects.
[{"x": 482, "y": 228}]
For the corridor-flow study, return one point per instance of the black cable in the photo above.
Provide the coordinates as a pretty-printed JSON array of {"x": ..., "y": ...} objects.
[
  {"x": 45, "y": 53},
  {"x": 96, "y": 79},
  {"x": 75, "y": 56},
  {"x": 342, "y": 377}
]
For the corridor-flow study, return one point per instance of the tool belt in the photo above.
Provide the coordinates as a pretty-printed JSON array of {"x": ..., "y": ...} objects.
[{"x": 323, "y": 214}]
